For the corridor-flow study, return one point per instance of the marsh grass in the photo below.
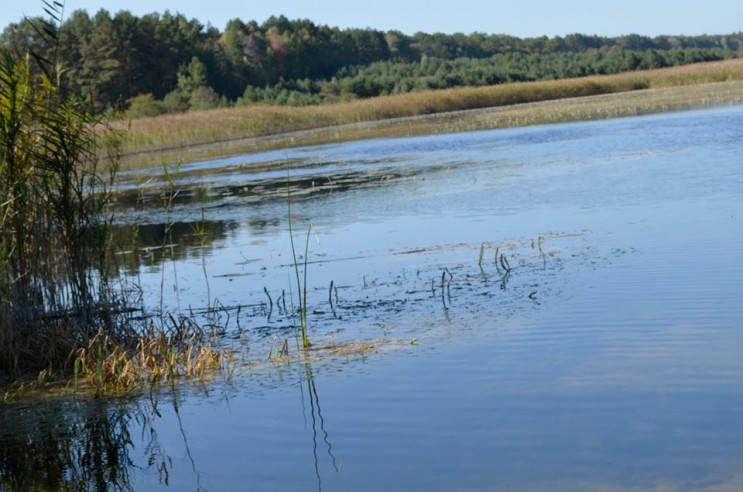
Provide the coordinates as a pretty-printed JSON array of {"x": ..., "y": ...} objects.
[
  {"x": 107, "y": 366},
  {"x": 231, "y": 130},
  {"x": 55, "y": 287},
  {"x": 64, "y": 311}
]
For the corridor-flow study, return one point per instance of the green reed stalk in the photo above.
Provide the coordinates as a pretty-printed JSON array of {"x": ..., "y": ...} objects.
[{"x": 301, "y": 291}]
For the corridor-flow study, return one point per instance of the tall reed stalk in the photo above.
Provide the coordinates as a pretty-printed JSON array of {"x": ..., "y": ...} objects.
[
  {"x": 55, "y": 285},
  {"x": 301, "y": 286}
]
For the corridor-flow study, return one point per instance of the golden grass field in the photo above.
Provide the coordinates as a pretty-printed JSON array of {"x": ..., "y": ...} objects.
[{"x": 228, "y": 131}]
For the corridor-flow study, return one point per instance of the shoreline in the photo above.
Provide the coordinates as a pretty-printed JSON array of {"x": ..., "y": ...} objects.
[{"x": 602, "y": 106}]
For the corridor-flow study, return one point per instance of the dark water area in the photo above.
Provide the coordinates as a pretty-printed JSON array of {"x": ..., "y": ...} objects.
[{"x": 603, "y": 352}]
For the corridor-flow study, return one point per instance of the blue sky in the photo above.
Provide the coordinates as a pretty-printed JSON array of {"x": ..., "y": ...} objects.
[{"x": 517, "y": 17}]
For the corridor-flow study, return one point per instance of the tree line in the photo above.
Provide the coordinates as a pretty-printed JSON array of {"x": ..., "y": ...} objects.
[
  {"x": 396, "y": 77},
  {"x": 169, "y": 63}
]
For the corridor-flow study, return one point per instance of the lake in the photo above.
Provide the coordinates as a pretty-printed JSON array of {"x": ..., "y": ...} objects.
[{"x": 545, "y": 308}]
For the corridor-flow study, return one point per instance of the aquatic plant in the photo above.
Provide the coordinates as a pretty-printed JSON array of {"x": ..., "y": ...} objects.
[
  {"x": 186, "y": 351},
  {"x": 301, "y": 285},
  {"x": 270, "y": 303},
  {"x": 333, "y": 290},
  {"x": 504, "y": 263},
  {"x": 199, "y": 229},
  {"x": 170, "y": 172}
]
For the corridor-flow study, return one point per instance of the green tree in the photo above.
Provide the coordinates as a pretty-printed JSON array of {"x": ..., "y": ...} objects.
[
  {"x": 192, "y": 76},
  {"x": 145, "y": 105}
]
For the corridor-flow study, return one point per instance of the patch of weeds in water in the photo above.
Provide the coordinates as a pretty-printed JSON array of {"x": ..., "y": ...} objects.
[
  {"x": 539, "y": 248},
  {"x": 64, "y": 309},
  {"x": 281, "y": 353},
  {"x": 187, "y": 351}
]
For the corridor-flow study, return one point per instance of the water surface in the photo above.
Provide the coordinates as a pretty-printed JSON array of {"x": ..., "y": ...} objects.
[{"x": 610, "y": 357}]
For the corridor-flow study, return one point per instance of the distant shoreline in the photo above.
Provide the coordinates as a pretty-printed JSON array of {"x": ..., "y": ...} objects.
[{"x": 204, "y": 145}]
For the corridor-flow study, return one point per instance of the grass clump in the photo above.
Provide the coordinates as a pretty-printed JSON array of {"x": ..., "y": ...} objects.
[{"x": 105, "y": 365}]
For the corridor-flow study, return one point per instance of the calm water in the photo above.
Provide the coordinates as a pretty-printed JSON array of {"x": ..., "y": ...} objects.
[{"x": 609, "y": 358}]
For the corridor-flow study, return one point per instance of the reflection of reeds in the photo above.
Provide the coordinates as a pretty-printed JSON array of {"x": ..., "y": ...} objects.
[
  {"x": 316, "y": 415},
  {"x": 63, "y": 448},
  {"x": 176, "y": 132},
  {"x": 103, "y": 444}
]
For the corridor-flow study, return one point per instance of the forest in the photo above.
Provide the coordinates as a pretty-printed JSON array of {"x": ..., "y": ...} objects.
[{"x": 166, "y": 63}]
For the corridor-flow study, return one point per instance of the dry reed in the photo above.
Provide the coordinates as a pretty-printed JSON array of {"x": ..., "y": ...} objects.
[{"x": 108, "y": 366}]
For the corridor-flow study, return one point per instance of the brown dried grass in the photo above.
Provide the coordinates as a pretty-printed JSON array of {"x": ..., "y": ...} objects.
[{"x": 105, "y": 366}]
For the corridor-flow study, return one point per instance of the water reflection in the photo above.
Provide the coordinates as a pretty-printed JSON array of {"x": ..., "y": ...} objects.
[
  {"x": 191, "y": 460},
  {"x": 150, "y": 245},
  {"x": 627, "y": 375},
  {"x": 316, "y": 419},
  {"x": 119, "y": 443},
  {"x": 84, "y": 445},
  {"x": 61, "y": 446}
]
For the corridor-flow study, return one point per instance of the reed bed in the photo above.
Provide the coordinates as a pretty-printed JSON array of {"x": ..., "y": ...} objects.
[
  {"x": 228, "y": 130},
  {"x": 63, "y": 308},
  {"x": 105, "y": 365}
]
